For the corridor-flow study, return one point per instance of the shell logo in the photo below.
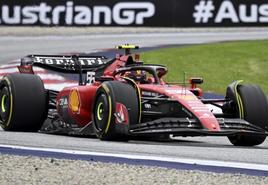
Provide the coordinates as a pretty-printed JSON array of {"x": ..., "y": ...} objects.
[{"x": 74, "y": 101}]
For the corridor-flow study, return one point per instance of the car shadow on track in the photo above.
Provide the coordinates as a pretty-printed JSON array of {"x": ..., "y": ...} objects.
[
  {"x": 206, "y": 142},
  {"x": 194, "y": 142}
]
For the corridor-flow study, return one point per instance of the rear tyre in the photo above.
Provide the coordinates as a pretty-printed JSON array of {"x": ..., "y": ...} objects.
[
  {"x": 255, "y": 111},
  {"x": 23, "y": 102},
  {"x": 104, "y": 109}
]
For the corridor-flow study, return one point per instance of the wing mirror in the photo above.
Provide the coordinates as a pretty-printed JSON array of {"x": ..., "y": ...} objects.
[{"x": 195, "y": 80}]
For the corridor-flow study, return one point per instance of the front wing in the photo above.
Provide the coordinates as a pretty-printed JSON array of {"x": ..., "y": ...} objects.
[{"x": 191, "y": 127}]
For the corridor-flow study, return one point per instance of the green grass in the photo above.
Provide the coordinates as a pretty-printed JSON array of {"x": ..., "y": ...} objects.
[{"x": 219, "y": 64}]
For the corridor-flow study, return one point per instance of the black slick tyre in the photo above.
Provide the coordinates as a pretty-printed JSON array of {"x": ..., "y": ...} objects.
[
  {"x": 104, "y": 109},
  {"x": 23, "y": 105},
  {"x": 255, "y": 111}
]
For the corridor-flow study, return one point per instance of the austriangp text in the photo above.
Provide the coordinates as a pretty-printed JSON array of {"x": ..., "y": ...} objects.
[
  {"x": 205, "y": 11},
  {"x": 122, "y": 13}
]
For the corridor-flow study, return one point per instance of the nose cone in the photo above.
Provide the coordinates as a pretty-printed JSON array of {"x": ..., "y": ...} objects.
[{"x": 209, "y": 122}]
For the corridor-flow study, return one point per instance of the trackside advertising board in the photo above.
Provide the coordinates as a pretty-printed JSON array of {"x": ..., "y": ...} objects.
[{"x": 149, "y": 13}]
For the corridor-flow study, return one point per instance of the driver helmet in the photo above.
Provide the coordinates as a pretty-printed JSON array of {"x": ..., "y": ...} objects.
[{"x": 137, "y": 76}]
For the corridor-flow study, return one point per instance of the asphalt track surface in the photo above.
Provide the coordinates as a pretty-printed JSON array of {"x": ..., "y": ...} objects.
[{"x": 204, "y": 148}]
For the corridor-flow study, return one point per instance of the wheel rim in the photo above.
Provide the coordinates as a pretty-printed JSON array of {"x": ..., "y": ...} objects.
[
  {"x": 5, "y": 104},
  {"x": 101, "y": 112}
]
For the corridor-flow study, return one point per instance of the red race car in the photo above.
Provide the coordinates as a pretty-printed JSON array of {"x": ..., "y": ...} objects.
[{"x": 122, "y": 98}]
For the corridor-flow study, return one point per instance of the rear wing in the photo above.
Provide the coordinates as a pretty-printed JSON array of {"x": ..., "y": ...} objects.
[{"x": 66, "y": 63}]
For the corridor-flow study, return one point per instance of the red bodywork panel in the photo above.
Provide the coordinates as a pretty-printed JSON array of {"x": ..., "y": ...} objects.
[
  {"x": 120, "y": 62},
  {"x": 86, "y": 96},
  {"x": 188, "y": 100}
]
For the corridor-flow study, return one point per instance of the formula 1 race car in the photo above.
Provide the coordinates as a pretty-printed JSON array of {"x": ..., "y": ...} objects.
[{"x": 122, "y": 98}]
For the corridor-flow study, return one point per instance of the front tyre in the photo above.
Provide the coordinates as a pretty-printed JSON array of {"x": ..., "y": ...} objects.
[
  {"x": 22, "y": 102},
  {"x": 254, "y": 109},
  {"x": 108, "y": 96}
]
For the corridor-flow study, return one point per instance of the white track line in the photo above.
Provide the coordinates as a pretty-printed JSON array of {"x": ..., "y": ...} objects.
[{"x": 241, "y": 165}]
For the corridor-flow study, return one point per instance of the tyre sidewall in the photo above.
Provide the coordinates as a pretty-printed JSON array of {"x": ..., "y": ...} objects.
[{"x": 28, "y": 102}]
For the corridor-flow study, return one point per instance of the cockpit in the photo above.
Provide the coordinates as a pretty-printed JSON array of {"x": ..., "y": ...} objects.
[{"x": 143, "y": 73}]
